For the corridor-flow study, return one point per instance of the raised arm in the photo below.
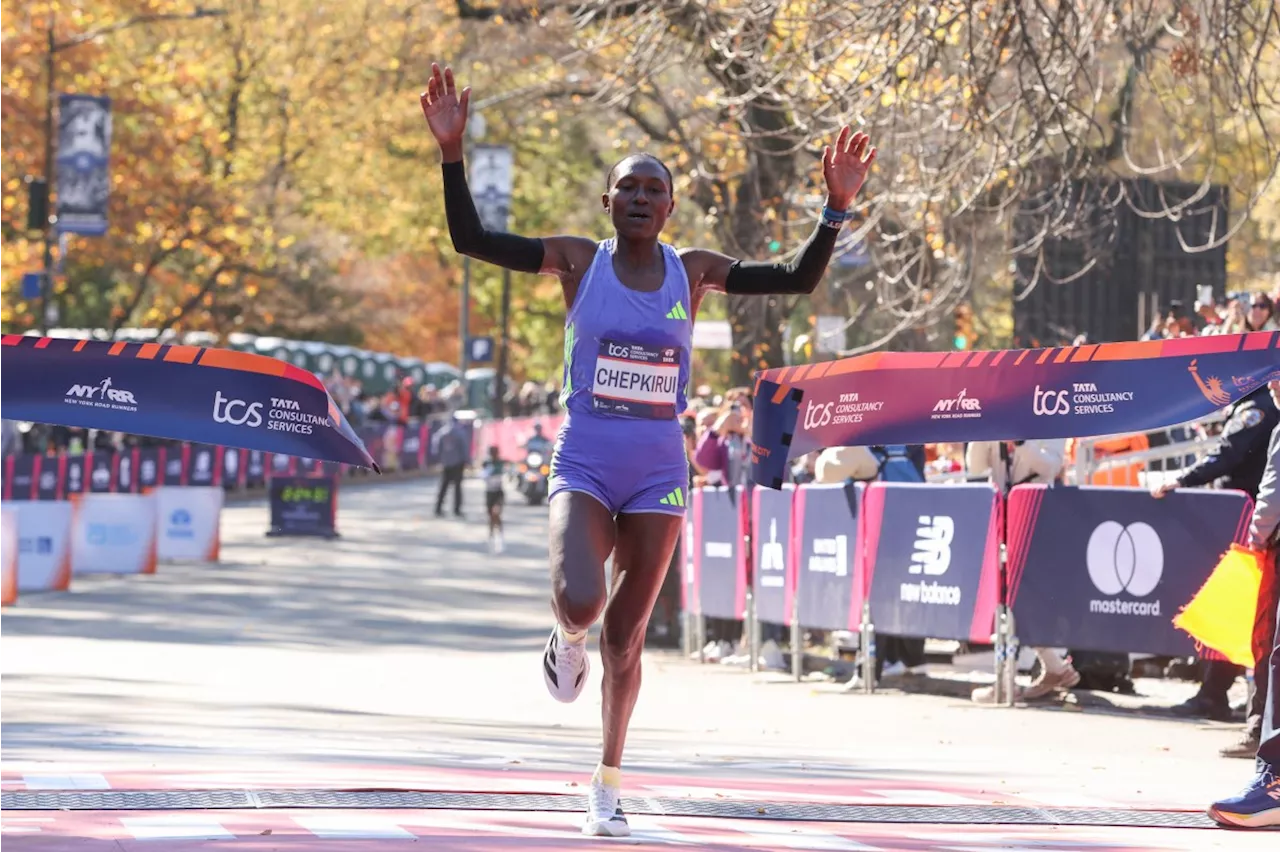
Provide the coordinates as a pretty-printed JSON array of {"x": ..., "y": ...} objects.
[
  {"x": 844, "y": 168},
  {"x": 446, "y": 114}
]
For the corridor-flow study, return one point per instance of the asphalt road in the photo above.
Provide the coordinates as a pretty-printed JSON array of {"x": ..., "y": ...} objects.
[{"x": 404, "y": 655}]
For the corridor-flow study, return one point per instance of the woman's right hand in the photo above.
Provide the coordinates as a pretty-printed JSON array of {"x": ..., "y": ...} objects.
[{"x": 445, "y": 111}]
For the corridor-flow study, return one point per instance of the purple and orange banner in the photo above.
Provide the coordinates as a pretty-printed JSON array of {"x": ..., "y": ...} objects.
[
  {"x": 187, "y": 393},
  {"x": 1027, "y": 394}
]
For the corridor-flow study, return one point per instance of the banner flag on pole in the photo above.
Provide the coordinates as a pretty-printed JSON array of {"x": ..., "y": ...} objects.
[
  {"x": 186, "y": 393},
  {"x": 84, "y": 148},
  {"x": 1221, "y": 613},
  {"x": 1028, "y": 394}
]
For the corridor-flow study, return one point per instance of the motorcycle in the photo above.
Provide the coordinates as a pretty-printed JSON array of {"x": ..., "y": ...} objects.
[{"x": 533, "y": 473}]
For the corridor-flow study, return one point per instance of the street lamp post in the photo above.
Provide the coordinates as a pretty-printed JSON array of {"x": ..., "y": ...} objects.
[{"x": 52, "y": 48}]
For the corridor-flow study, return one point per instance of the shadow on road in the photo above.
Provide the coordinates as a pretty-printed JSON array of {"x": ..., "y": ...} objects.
[{"x": 398, "y": 576}]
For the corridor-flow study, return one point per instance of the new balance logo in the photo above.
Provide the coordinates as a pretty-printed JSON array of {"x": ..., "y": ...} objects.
[
  {"x": 932, "y": 551},
  {"x": 675, "y": 498},
  {"x": 677, "y": 313}
]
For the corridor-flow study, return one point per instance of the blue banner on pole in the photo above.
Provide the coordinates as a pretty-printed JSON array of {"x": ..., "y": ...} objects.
[
  {"x": 825, "y": 546},
  {"x": 31, "y": 285},
  {"x": 933, "y": 559},
  {"x": 1106, "y": 569},
  {"x": 771, "y": 531},
  {"x": 84, "y": 147},
  {"x": 720, "y": 590},
  {"x": 480, "y": 350}
]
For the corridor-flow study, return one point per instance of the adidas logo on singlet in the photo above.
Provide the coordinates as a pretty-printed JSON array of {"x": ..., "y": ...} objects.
[
  {"x": 677, "y": 312},
  {"x": 675, "y": 498}
]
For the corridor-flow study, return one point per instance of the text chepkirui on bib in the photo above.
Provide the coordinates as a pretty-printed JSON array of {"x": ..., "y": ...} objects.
[{"x": 636, "y": 381}]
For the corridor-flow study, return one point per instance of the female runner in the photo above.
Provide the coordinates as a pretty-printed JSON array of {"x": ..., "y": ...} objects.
[{"x": 619, "y": 473}]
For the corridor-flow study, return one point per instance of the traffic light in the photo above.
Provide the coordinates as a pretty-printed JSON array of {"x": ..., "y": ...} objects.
[
  {"x": 774, "y": 245},
  {"x": 37, "y": 203},
  {"x": 965, "y": 336}
]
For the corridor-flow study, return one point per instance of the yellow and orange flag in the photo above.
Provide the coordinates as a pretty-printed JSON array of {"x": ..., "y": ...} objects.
[{"x": 1221, "y": 613}]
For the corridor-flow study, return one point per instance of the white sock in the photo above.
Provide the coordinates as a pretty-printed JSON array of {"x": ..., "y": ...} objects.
[
  {"x": 572, "y": 638},
  {"x": 610, "y": 776}
]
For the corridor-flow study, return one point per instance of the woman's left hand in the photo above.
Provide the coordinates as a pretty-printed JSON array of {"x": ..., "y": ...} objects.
[{"x": 845, "y": 166}]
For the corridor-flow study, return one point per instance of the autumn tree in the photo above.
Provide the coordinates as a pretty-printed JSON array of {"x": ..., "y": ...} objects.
[{"x": 977, "y": 106}]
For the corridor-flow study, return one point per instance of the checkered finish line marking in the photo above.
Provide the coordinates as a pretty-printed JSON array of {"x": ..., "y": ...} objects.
[{"x": 171, "y": 800}]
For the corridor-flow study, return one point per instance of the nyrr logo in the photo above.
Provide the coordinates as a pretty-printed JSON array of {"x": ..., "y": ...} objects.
[
  {"x": 1049, "y": 403},
  {"x": 961, "y": 406},
  {"x": 817, "y": 416},
  {"x": 932, "y": 554},
  {"x": 101, "y": 395}
]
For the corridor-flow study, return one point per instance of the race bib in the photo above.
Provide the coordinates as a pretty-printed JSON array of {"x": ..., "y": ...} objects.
[
  {"x": 493, "y": 482},
  {"x": 636, "y": 381}
]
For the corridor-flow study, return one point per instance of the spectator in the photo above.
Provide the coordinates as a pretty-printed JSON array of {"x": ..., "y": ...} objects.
[
  {"x": 1006, "y": 464},
  {"x": 1236, "y": 462},
  {"x": 451, "y": 448},
  {"x": 1262, "y": 313}
]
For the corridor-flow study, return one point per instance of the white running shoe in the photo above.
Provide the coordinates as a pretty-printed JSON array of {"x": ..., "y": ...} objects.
[
  {"x": 604, "y": 812},
  {"x": 565, "y": 667},
  {"x": 497, "y": 543}
]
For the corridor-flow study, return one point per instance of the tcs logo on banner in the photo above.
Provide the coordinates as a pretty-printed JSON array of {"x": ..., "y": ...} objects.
[
  {"x": 817, "y": 416},
  {"x": 1050, "y": 403},
  {"x": 236, "y": 412}
]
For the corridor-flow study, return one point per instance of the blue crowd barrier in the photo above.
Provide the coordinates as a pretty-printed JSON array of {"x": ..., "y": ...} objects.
[
  {"x": 932, "y": 559},
  {"x": 1091, "y": 568},
  {"x": 1106, "y": 569}
]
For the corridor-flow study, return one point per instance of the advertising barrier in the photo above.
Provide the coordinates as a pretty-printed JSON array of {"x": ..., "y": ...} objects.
[
  {"x": 202, "y": 465},
  {"x": 101, "y": 465},
  {"x": 1106, "y": 569},
  {"x": 44, "y": 546},
  {"x": 8, "y": 556},
  {"x": 825, "y": 539},
  {"x": 932, "y": 559},
  {"x": 20, "y": 475},
  {"x": 150, "y": 467},
  {"x": 771, "y": 582},
  {"x": 188, "y": 524},
  {"x": 114, "y": 534},
  {"x": 719, "y": 587},
  {"x": 510, "y": 434},
  {"x": 73, "y": 475},
  {"x": 304, "y": 506},
  {"x": 413, "y": 448}
]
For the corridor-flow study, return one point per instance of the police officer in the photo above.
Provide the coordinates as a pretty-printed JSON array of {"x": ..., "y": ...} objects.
[{"x": 1238, "y": 461}]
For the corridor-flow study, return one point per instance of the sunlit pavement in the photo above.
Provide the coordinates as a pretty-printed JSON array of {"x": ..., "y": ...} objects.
[{"x": 385, "y": 687}]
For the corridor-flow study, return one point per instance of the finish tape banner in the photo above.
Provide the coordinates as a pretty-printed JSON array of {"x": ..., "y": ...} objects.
[
  {"x": 188, "y": 393},
  {"x": 1067, "y": 392}
]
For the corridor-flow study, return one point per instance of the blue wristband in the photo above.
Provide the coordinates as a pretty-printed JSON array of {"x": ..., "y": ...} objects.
[{"x": 834, "y": 218}]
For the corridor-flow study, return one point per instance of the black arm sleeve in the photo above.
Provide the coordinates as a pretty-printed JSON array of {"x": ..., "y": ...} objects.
[
  {"x": 801, "y": 275},
  {"x": 522, "y": 254}
]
